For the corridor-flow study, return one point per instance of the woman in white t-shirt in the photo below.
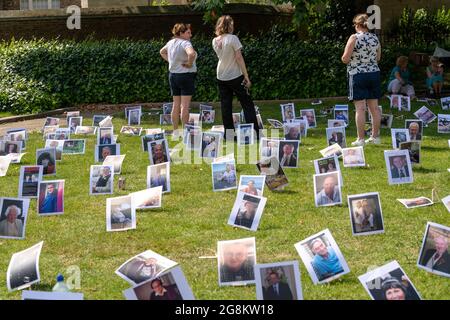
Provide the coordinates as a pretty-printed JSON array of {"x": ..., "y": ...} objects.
[
  {"x": 182, "y": 71},
  {"x": 232, "y": 76}
]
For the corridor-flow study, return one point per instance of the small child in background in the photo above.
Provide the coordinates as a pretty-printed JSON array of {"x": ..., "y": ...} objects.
[
  {"x": 399, "y": 82},
  {"x": 435, "y": 77}
]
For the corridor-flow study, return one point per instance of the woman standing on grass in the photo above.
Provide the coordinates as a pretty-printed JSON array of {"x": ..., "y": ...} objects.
[
  {"x": 232, "y": 76},
  {"x": 362, "y": 54},
  {"x": 182, "y": 71}
]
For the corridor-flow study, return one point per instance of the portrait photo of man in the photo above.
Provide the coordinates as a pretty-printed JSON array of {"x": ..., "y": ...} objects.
[
  {"x": 158, "y": 152},
  {"x": 101, "y": 179},
  {"x": 327, "y": 189},
  {"x": 48, "y": 197},
  {"x": 399, "y": 167},
  {"x": 278, "y": 281},
  {"x": 277, "y": 290},
  {"x": 310, "y": 116},
  {"x": 288, "y": 153},
  {"x": 236, "y": 261},
  {"x": 247, "y": 211},
  {"x": 415, "y": 129}
]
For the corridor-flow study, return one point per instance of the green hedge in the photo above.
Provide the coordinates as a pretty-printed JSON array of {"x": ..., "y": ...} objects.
[{"x": 42, "y": 75}]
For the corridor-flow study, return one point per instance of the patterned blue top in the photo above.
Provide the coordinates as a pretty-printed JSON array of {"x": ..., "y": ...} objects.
[{"x": 364, "y": 56}]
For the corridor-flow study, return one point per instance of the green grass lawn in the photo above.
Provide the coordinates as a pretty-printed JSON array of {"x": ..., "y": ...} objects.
[
  {"x": 5, "y": 114},
  {"x": 193, "y": 218}
]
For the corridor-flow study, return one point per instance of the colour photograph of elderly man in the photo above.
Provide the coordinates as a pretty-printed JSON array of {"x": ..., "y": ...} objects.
[
  {"x": 101, "y": 180},
  {"x": 415, "y": 128},
  {"x": 389, "y": 282},
  {"x": 51, "y": 197},
  {"x": 170, "y": 285},
  {"x": 158, "y": 151},
  {"x": 236, "y": 261},
  {"x": 310, "y": 116},
  {"x": 102, "y": 151},
  {"x": 327, "y": 189},
  {"x": 278, "y": 281},
  {"x": 336, "y": 135},
  {"x": 322, "y": 257},
  {"x": 144, "y": 266},
  {"x": 13, "y": 217},
  {"x": 105, "y": 136},
  {"x": 434, "y": 255},
  {"x": 288, "y": 153},
  {"x": 398, "y": 165},
  {"x": 23, "y": 269},
  {"x": 287, "y": 112}
]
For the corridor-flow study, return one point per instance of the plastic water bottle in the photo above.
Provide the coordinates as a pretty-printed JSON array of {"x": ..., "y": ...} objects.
[{"x": 60, "y": 285}]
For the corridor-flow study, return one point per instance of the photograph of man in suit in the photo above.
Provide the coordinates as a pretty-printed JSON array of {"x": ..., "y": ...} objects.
[
  {"x": 438, "y": 258},
  {"x": 277, "y": 290},
  {"x": 399, "y": 168},
  {"x": 414, "y": 131},
  {"x": 287, "y": 155}
]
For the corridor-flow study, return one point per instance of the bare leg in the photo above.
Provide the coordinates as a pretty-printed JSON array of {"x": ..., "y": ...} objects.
[
  {"x": 185, "y": 102},
  {"x": 360, "y": 117},
  {"x": 376, "y": 117},
  {"x": 176, "y": 111}
]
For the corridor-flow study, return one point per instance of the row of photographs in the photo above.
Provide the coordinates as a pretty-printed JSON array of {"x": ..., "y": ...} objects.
[{"x": 155, "y": 277}]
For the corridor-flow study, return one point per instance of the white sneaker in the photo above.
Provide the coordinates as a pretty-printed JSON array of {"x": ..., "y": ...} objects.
[
  {"x": 373, "y": 140},
  {"x": 359, "y": 143}
]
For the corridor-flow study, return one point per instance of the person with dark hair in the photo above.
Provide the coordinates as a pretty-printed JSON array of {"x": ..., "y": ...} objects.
[
  {"x": 47, "y": 161},
  {"x": 278, "y": 290},
  {"x": 232, "y": 76},
  {"x": 393, "y": 289},
  {"x": 245, "y": 217},
  {"x": 161, "y": 292},
  {"x": 49, "y": 204},
  {"x": 362, "y": 54},
  {"x": 104, "y": 182},
  {"x": 181, "y": 56}
]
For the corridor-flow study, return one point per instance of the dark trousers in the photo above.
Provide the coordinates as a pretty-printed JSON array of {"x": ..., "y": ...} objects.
[{"x": 226, "y": 91}]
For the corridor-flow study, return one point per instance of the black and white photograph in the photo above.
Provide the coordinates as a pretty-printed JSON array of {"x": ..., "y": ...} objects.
[
  {"x": 353, "y": 157},
  {"x": 147, "y": 199},
  {"x": 253, "y": 185},
  {"x": 50, "y": 197},
  {"x": 322, "y": 257},
  {"x": 23, "y": 269},
  {"x": 245, "y": 134},
  {"x": 366, "y": 215},
  {"x": 236, "y": 261},
  {"x": 47, "y": 159},
  {"x": 134, "y": 117},
  {"x": 224, "y": 175},
  {"x": 159, "y": 175},
  {"x": 170, "y": 285},
  {"x": 270, "y": 167},
  {"x": 74, "y": 146},
  {"x": 398, "y": 165},
  {"x": 327, "y": 189},
  {"x": 158, "y": 151},
  {"x": 144, "y": 266},
  {"x": 278, "y": 281},
  {"x": 130, "y": 130},
  {"x": 389, "y": 282},
  {"x": 336, "y": 135},
  {"x": 414, "y": 149},
  {"x": 398, "y": 136},
  {"x": 120, "y": 214},
  {"x": 105, "y": 135},
  {"x": 341, "y": 112},
  {"x": 434, "y": 255},
  {"x": 208, "y": 116},
  {"x": 74, "y": 122},
  {"x": 287, "y": 112},
  {"x": 13, "y": 217},
  {"x": 29, "y": 179},
  {"x": 247, "y": 211},
  {"x": 425, "y": 114},
  {"x": 211, "y": 145},
  {"x": 288, "y": 153},
  {"x": 310, "y": 116},
  {"x": 101, "y": 180},
  {"x": 415, "y": 128},
  {"x": 115, "y": 161},
  {"x": 443, "y": 123},
  {"x": 416, "y": 202},
  {"x": 102, "y": 151}
]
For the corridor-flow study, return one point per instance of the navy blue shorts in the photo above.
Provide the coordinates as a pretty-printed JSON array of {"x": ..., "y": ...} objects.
[
  {"x": 182, "y": 84},
  {"x": 364, "y": 86}
]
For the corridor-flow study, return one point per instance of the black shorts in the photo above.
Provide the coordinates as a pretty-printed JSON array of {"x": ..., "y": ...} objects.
[
  {"x": 182, "y": 84},
  {"x": 364, "y": 86}
]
